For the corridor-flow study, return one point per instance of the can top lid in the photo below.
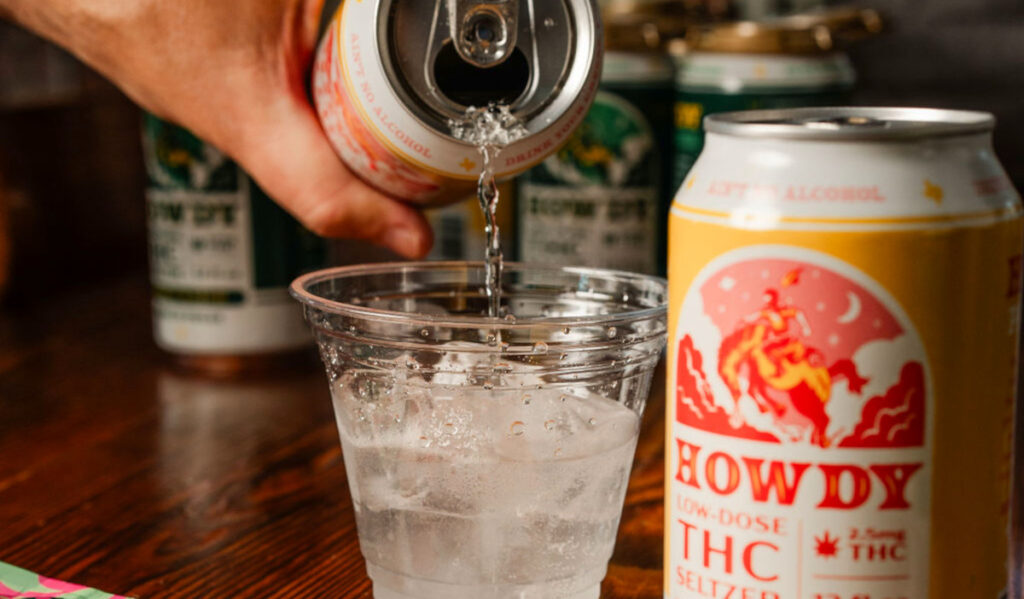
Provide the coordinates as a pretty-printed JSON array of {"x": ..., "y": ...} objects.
[
  {"x": 850, "y": 123},
  {"x": 812, "y": 32},
  {"x": 845, "y": 23},
  {"x": 534, "y": 57},
  {"x": 636, "y": 26},
  {"x": 638, "y": 33}
]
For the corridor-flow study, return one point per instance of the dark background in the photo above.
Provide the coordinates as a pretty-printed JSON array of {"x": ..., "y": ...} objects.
[
  {"x": 965, "y": 54},
  {"x": 72, "y": 181}
]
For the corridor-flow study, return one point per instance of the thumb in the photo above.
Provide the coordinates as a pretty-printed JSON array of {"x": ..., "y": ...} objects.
[{"x": 289, "y": 155}]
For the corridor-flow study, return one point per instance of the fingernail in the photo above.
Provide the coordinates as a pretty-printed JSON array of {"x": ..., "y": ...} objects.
[{"x": 405, "y": 241}]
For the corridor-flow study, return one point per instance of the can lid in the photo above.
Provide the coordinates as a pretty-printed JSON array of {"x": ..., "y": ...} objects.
[
  {"x": 688, "y": 11},
  {"x": 750, "y": 37},
  {"x": 807, "y": 33},
  {"x": 635, "y": 26},
  {"x": 845, "y": 23},
  {"x": 633, "y": 33},
  {"x": 850, "y": 123}
]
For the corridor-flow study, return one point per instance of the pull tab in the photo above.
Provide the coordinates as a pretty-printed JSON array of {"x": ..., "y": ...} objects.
[{"x": 484, "y": 32}]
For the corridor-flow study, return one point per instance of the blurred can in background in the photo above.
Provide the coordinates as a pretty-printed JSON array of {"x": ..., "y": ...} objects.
[
  {"x": 601, "y": 200},
  {"x": 844, "y": 304},
  {"x": 36, "y": 74},
  {"x": 222, "y": 254},
  {"x": 782, "y": 63}
]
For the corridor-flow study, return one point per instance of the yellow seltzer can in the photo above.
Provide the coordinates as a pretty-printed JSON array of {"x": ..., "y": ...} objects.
[{"x": 845, "y": 305}]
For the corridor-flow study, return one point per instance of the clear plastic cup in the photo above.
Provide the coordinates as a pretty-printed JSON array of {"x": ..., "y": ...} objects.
[{"x": 487, "y": 458}]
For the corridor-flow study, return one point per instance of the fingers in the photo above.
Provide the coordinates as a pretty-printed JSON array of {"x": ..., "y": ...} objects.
[{"x": 292, "y": 160}]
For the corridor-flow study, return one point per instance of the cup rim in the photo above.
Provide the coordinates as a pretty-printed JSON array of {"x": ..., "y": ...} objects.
[{"x": 299, "y": 290}]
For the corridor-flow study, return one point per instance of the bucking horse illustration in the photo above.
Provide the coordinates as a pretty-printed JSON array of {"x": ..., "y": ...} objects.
[{"x": 782, "y": 372}]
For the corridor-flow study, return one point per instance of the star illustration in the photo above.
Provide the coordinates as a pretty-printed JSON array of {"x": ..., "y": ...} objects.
[
  {"x": 826, "y": 546},
  {"x": 467, "y": 164},
  {"x": 933, "y": 192}
]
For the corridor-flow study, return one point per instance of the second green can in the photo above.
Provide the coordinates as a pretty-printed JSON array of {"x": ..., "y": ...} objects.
[
  {"x": 601, "y": 200},
  {"x": 747, "y": 65}
]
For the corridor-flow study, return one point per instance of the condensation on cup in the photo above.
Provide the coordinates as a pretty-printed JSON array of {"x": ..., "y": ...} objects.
[
  {"x": 389, "y": 81},
  {"x": 844, "y": 315}
]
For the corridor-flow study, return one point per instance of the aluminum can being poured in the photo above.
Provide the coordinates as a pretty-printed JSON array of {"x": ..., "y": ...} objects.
[{"x": 393, "y": 80}]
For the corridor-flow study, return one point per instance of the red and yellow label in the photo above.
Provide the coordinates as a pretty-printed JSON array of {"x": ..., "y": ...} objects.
[
  {"x": 839, "y": 410},
  {"x": 370, "y": 154}
]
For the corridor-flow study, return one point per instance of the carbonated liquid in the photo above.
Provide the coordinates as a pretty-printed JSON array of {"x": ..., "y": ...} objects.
[
  {"x": 490, "y": 129},
  {"x": 472, "y": 494}
]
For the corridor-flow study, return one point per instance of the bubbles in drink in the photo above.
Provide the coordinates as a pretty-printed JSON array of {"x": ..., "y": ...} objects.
[
  {"x": 481, "y": 488},
  {"x": 490, "y": 126}
]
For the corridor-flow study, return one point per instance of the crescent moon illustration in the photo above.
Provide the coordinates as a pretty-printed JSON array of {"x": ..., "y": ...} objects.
[{"x": 854, "y": 311}]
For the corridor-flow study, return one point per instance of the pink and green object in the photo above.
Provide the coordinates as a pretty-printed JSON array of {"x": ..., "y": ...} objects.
[{"x": 16, "y": 583}]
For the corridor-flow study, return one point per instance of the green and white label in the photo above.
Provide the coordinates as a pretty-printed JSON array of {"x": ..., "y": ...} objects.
[
  {"x": 595, "y": 202},
  {"x": 221, "y": 253},
  {"x": 713, "y": 82}
]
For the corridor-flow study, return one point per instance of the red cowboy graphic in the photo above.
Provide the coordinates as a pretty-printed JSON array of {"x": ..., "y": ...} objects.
[
  {"x": 782, "y": 372},
  {"x": 787, "y": 349}
]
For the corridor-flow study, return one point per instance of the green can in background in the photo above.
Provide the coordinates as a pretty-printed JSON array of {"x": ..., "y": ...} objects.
[
  {"x": 785, "y": 63},
  {"x": 602, "y": 200},
  {"x": 222, "y": 254}
]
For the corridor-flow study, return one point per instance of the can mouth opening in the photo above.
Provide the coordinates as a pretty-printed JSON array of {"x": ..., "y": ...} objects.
[
  {"x": 537, "y": 58},
  {"x": 469, "y": 85}
]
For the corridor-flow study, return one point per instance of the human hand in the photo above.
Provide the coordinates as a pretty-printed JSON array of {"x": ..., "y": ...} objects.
[{"x": 235, "y": 74}]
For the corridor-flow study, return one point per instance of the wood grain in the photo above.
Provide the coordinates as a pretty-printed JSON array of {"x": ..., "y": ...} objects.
[{"x": 120, "y": 472}]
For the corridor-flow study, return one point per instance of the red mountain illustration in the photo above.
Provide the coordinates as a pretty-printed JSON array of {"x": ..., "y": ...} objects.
[
  {"x": 894, "y": 419},
  {"x": 695, "y": 404}
]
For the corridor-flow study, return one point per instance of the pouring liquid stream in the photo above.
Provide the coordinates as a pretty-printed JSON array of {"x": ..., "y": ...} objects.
[
  {"x": 487, "y": 192},
  {"x": 490, "y": 129}
]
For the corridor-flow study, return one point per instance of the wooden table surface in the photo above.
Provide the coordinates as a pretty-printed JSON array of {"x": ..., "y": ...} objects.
[{"x": 121, "y": 472}]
